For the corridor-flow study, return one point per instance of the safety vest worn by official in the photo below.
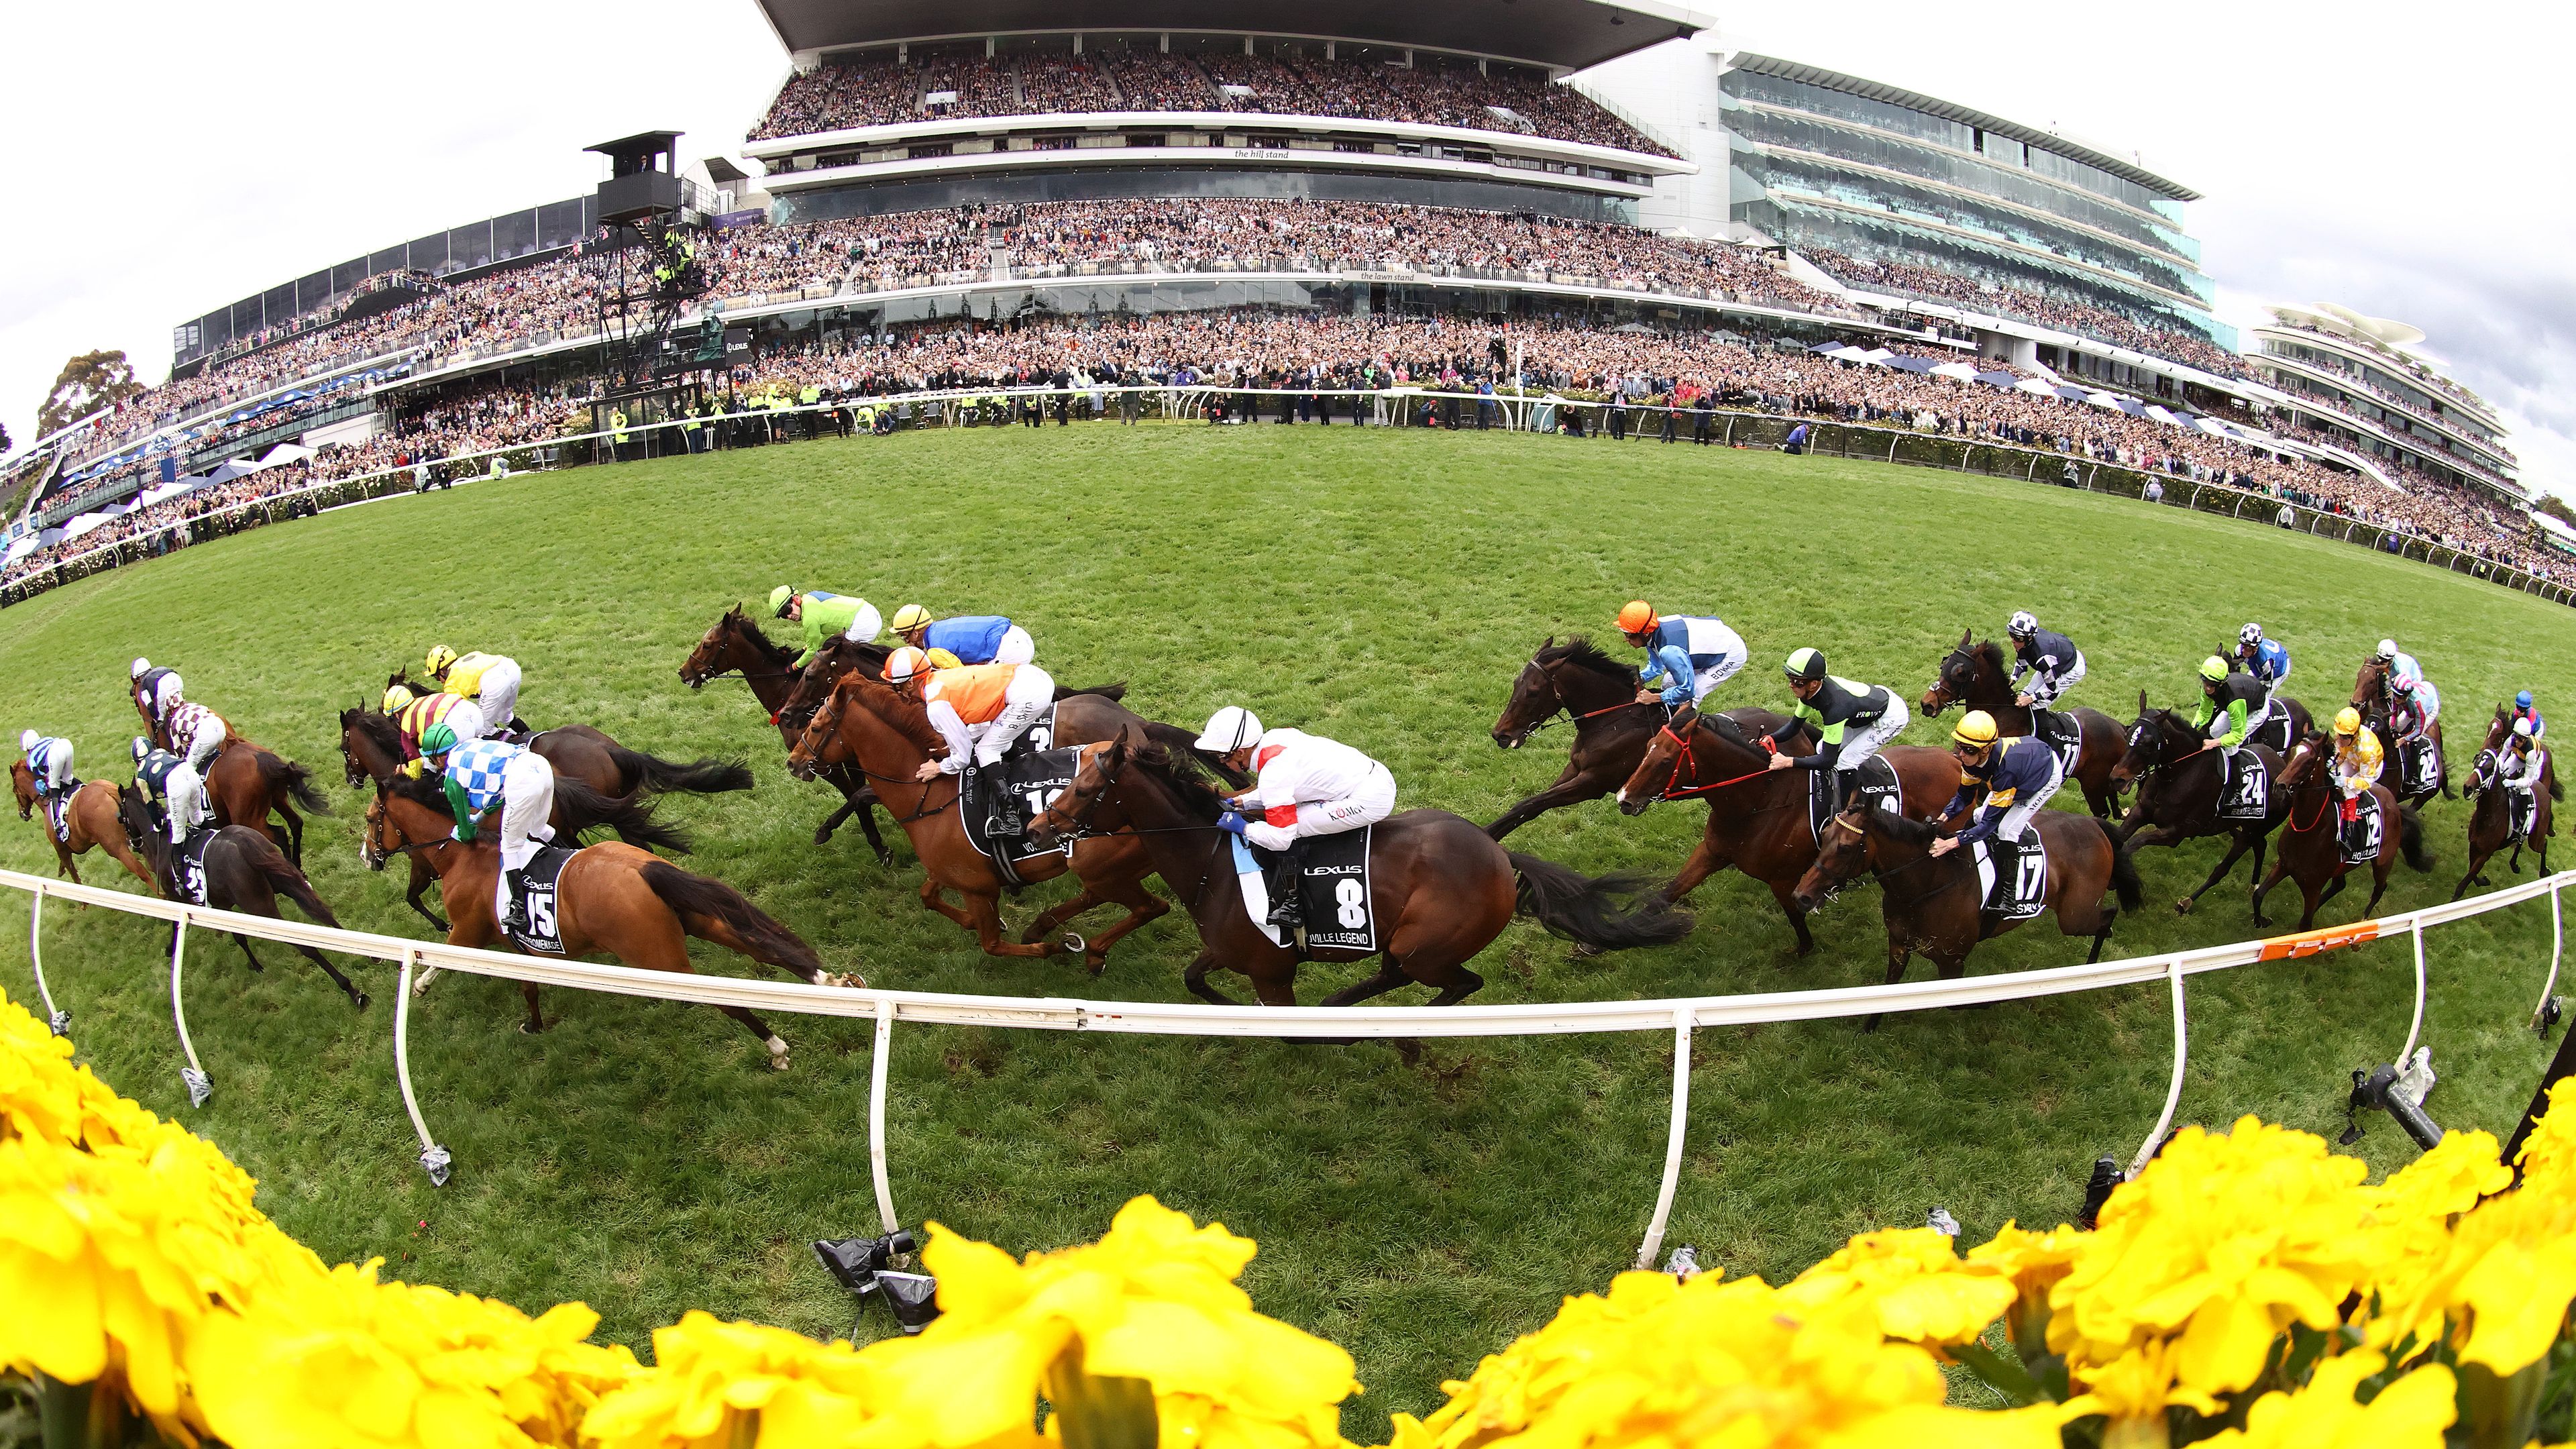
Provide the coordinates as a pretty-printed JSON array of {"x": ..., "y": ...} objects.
[{"x": 973, "y": 690}]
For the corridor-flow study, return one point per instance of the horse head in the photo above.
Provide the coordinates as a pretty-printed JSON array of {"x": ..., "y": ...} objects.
[
  {"x": 2305, "y": 759},
  {"x": 2500, "y": 728},
  {"x": 1659, "y": 773},
  {"x": 706, "y": 661},
  {"x": 822, "y": 735},
  {"x": 1956, "y": 678},
  {"x": 1842, "y": 854},
  {"x": 22, "y": 782},
  {"x": 2371, "y": 685},
  {"x": 2482, "y": 772},
  {"x": 838, "y": 658},
  {"x": 1533, "y": 703},
  {"x": 1064, "y": 816},
  {"x": 2145, "y": 746}
]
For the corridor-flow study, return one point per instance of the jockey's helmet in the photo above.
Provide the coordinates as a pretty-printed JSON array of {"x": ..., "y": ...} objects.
[
  {"x": 436, "y": 661},
  {"x": 2522, "y": 699},
  {"x": 2022, "y": 625},
  {"x": 1636, "y": 617},
  {"x": 437, "y": 740},
  {"x": 2521, "y": 730},
  {"x": 2388, "y": 649},
  {"x": 910, "y": 617},
  {"x": 1805, "y": 666},
  {"x": 2347, "y": 721},
  {"x": 2213, "y": 669},
  {"x": 903, "y": 664},
  {"x": 779, "y": 598},
  {"x": 397, "y": 699},
  {"x": 1230, "y": 729},
  {"x": 140, "y": 666},
  {"x": 1977, "y": 731},
  {"x": 27, "y": 739},
  {"x": 2250, "y": 635}
]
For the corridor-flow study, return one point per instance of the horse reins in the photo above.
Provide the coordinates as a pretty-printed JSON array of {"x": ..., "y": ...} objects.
[
  {"x": 1674, "y": 789},
  {"x": 1564, "y": 712}
]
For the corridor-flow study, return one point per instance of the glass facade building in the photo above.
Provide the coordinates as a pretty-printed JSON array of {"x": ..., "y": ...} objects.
[{"x": 2353, "y": 378}]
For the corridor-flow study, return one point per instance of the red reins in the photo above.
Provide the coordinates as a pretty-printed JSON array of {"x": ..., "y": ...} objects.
[{"x": 1674, "y": 789}]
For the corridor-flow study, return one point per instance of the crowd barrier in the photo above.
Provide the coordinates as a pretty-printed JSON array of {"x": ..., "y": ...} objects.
[{"x": 1681, "y": 1016}]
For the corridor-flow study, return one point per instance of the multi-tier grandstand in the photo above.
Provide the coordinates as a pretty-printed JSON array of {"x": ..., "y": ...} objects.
[{"x": 1115, "y": 192}]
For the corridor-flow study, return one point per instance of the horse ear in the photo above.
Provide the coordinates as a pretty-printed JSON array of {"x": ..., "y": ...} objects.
[
  {"x": 1550, "y": 644},
  {"x": 1967, "y": 636},
  {"x": 2142, "y": 701}
]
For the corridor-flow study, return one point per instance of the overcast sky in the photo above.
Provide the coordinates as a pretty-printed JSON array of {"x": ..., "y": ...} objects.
[{"x": 178, "y": 157}]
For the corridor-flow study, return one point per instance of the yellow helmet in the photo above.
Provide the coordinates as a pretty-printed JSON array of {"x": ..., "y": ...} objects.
[
  {"x": 2347, "y": 721},
  {"x": 909, "y": 618},
  {"x": 1977, "y": 731},
  {"x": 942, "y": 659},
  {"x": 397, "y": 699},
  {"x": 440, "y": 656},
  {"x": 903, "y": 664}
]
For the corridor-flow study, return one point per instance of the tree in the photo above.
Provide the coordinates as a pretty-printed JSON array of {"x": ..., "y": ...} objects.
[
  {"x": 4, "y": 437},
  {"x": 89, "y": 382},
  {"x": 2556, "y": 507}
]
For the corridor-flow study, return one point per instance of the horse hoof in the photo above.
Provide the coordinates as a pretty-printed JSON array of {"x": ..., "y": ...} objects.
[
  {"x": 1072, "y": 944},
  {"x": 1094, "y": 962},
  {"x": 2183, "y": 907},
  {"x": 778, "y": 1063},
  {"x": 846, "y": 980},
  {"x": 1581, "y": 952},
  {"x": 527, "y": 1030},
  {"x": 822, "y": 835},
  {"x": 358, "y": 999}
]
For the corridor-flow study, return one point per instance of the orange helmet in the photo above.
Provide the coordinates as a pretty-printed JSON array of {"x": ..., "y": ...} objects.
[
  {"x": 903, "y": 664},
  {"x": 1636, "y": 617}
]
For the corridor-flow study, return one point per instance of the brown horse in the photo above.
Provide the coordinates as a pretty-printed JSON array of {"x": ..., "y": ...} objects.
[
  {"x": 2374, "y": 693},
  {"x": 1441, "y": 887},
  {"x": 1975, "y": 675},
  {"x": 736, "y": 645},
  {"x": 2178, "y": 783},
  {"x": 887, "y": 736},
  {"x": 1757, "y": 817},
  {"x": 1932, "y": 904},
  {"x": 610, "y": 898},
  {"x": 91, "y": 815},
  {"x": 1611, "y": 729},
  {"x": 247, "y": 784},
  {"x": 244, "y": 871},
  {"x": 2491, "y": 814},
  {"x": 2311, "y": 850}
]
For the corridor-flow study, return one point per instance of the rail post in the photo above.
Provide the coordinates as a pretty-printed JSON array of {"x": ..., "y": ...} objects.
[
  {"x": 433, "y": 1158},
  {"x": 200, "y": 1086},
  {"x": 876, "y": 1115},
  {"x": 1654, "y": 1243},
  {"x": 2415, "y": 1029},
  {"x": 2557, "y": 943},
  {"x": 2173, "y": 1089},
  {"x": 59, "y": 1020}
]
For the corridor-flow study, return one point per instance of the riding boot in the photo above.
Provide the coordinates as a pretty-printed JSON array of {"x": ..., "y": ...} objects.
[
  {"x": 1834, "y": 780},
  {"x": 1279, "y": 877},
  {"x": 2005, "y": 855},
  {"x": 515, "y": 920}
]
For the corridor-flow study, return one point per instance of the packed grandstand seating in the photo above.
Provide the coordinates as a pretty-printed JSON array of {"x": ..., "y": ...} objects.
[
  {"x": 881, "y": 90},
  {"x": 2066, "y": 315},
  {"x": 1301, "y": 351}
]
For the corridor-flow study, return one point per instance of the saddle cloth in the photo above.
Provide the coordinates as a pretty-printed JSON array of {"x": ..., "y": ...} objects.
[
  {"x": 2062, "y": 733},
  {"x": 1875, "y": 783},
  {"x": 1333, "y": 882},
  {"x": 2245, "y": 787},
  {"x": 2419, "y": 765},
  {"x": 188, "y": 866},
  {"x": 1031, "y": 779},
  {"x": 544, "y": 935},
  {"x": 2360, "y": 840},
  {"x": 2023, "y": 896},
  {"x": 2273, "y": 733}
]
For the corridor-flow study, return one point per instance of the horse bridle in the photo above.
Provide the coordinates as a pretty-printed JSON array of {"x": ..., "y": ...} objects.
[
  {"x": 1941, "y": 677},
  {"x": 1564, "y": 711}
]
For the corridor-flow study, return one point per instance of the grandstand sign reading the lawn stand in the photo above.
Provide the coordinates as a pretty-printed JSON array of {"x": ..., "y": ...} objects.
[{"x": 2320, "y": 940}]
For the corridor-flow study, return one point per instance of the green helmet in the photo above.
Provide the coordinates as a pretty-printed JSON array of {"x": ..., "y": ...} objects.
[
  {"x": 778, "y": 599},
  {"x": 438, "y": 739},
  {"x": 2213, "y": 669},
  {"x": 1805, "y": 665}
]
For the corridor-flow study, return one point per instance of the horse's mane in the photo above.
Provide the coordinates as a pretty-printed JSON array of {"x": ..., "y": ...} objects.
[
  {"x": 375, "y": 725},
  {"x": 1585, "y": 655},
  {"x": 904, "y": 714},
  {"x": 1182, "y": 773},
  {"x": 423, "y": 789},
  {"x": 774, "y": 653},
  {"x": 1901, "y": 828},
  {"x": 1992, "y": 653}
]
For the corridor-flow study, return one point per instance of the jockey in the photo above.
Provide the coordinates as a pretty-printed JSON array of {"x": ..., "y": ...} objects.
[
  {"x": 49, "y": 759},
  {"x": 1691, "y": 653},
  {"x": 2409, "y": 716},
  {"x": 2015, "y": 776},
  {"x": 197, "y": 733},
  {"x": 1304, "y": 785},
  {"x": 174, "y": 785},
  {"x": 414, "y": 714},
  {"x": 973, "y": 638},
  {"x": 2231, "y": 707},
  {"x": 1851, "y": 719},
  {"x": 2518, "y": 764},
  {"x": 2404, "y": 674},
  {"x": 979, "y": 709},
  {"x": 2525, "y": 712},
  {"x": 2357, "y": 762},
  {"x": 2051, "y": 660},
  {"x": 490, "y": 680},
  {"x": 2265, "y": 659},
  {"x": 824, "y": 614},
  {"x": 157, "y": 688},
  {"x": 479, "y": 772}
]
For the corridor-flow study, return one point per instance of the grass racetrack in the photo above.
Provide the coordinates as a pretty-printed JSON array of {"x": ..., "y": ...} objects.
[{"x": 1381, "y": 587}]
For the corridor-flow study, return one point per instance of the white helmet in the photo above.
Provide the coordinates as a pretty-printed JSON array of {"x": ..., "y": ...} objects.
[
  {"x": 1229, "y": 729},
  {"x": 865, "y": 628},
  {"x": 2022, "y": 625},
  {"x": 2250, "y": 635},
  {"x": 140, "y": 665},
  {"x": 2521, "y": 727},
  {"x": 27, "y": 739},
  {"x": 2388, "y": 649}
]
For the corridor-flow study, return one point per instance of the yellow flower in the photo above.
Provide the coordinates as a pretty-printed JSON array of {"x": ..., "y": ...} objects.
[
  {"x": 1910, "y": 1282},
  {"x": 2412, "y": 1214},
  {"x": 2549, "y": 1153},
  {"x": 2032, "y": 1263},
  {"x": 711, "y": 1377},
  {"x": 2408, "y": 1414}
]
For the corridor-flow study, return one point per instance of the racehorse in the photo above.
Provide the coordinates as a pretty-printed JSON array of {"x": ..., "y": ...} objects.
[
  {"x": 91, "y": 815},
  {"x": 2311, "y": 850},
  {"x": 1757, "y": 817},
  {"x": 838, "y": 656},
  {"x": 2490, "y": 814},
  {"x": 887, "y": 736},
  {"x": 590, "y": 756},
  {"x": 1611, "y": 729},
  {"x": 1932, "y": 904},
  {"x": 1976, "y": 675},
  {"x": 2374, "y": 693},
  {"x": 609, "y": 897},
  {"x": 244, "y": 871},
  {"x": 736, "y": 645},
  {"x": 2178, "y": 784},
  {"x": 246, "y": 784},
  {"x": 1441, "y": 887}
]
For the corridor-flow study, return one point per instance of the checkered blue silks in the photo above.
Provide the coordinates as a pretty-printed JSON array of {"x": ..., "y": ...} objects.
[{"x": 477, "y": 766}]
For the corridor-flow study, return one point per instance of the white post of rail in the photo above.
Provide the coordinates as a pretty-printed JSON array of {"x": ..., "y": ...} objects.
[
  {"x": 2415, "y": 1029},
  {"x": 2173, "y": 1090},
  {"x": 200, "y": 1086},
  {"x": 2557, "y": 944},
  {"x": 59, "y": 1020},
  {"x": 433, "y": 1158},
  {"x": 1654, "y": 1243},
  {"x": 876, "y": 1115}
]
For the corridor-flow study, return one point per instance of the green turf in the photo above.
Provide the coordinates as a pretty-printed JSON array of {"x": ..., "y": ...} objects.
[{"x": 1379, "y": 587}]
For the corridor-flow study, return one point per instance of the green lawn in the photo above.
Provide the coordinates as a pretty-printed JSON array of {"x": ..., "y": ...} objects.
[{"x": 1381, "y": 587}]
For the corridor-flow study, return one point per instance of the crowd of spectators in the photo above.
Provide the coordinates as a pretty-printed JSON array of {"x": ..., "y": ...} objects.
[
  {"x": 2065, "y": 314},
  {"x": 1433, "y": 90}
]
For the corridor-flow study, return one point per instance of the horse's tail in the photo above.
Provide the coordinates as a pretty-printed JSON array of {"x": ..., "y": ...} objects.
[
  {"x": 285, "y": 777},
  {"x": 1111, "y": 692},
  {"x": 585, "y": 809},
  {"x": 762, "y": 939},
  {"x": 2556, "y": 790},
  {"x": 698, "y": 777},
  {"x": 1185, "y": 743},
  {"x": 282, "y": 875},
  {"x": 2124, "y": 867},
  {"x": 2410, "y": 838},
  {"x": 1584, "y": 909}
]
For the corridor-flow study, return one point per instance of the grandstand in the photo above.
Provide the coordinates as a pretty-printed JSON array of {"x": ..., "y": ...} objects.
[{"x": 2352, "y": 378}]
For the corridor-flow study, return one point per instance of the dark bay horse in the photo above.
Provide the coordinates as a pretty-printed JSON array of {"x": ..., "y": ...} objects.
[
  {"x": 1932, "y": 904},
  {"x": 1611, "y": 730},
  {"x": 600, "y": 762},
  {"x": 1977, "y": 676},
  {"x": 2490, "y": 813},
  {"x": 1442, "y": 888},
  {"x": 2311, "y": 851},
  {"x": 2178, "y": 783},
  {"x": 736, "y": 645},
  {"x": 1757, "y": 817},
  {"x": 2374, "y": 693},
  {"x": 91, "y": 815},
  {"x": 245, "y": 871},
  {"x": 610, "y": 897}
]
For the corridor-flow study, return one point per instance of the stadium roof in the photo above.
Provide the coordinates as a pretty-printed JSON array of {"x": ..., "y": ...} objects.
[
  {"x": 1569, "y": 34},
  {"x": 1934, "y": 106}
]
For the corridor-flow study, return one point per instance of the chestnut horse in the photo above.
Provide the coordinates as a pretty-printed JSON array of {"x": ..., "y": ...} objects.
[
  {"x": 1757, "y": 817},
  {"x": 246, "y": 784},
  {"x": 610, "y": 897},
  {"x": 1611, "y": 729},
  {"x": 1976, "y": 675},
  {"x": 1441, "y": 887},
  {"x": 736, "y": 645},
  {"x": 2375, "y": 695},
  {"x": 245, "y": 871},
  {"x": 2311, "y": 851},
  {"x": 1932, "y": 904},
  {"x": 2490, "y": 814},
  {"x": 2178, "y": 783},
  {"x": 91, "y": 816}
]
